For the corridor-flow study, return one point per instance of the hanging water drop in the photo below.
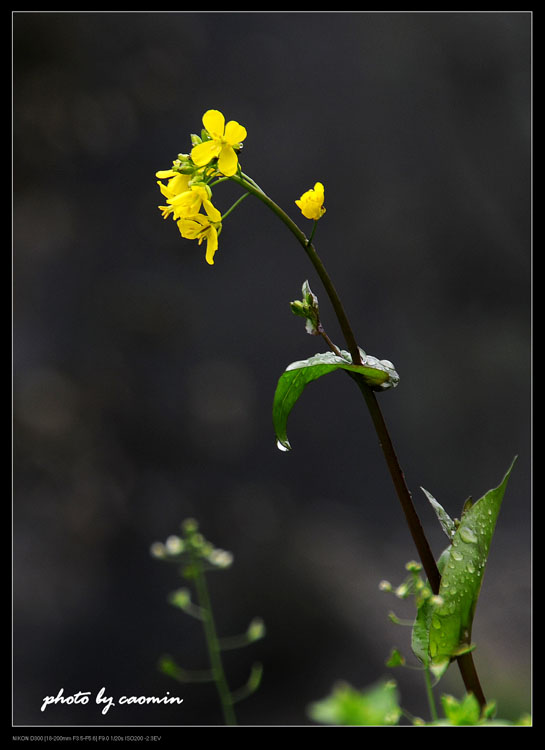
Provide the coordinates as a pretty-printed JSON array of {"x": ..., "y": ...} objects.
[{"x": 468, "y": 535}]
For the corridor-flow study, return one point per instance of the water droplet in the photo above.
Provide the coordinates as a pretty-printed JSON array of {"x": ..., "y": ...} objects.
[
  {"x": 468, "y": 535},
  {"x": 470, "y": 567},
  {"x": 436, "y": 622},
  {"x": 281, "y": 446},
  {"x": 457, "y": 555}
]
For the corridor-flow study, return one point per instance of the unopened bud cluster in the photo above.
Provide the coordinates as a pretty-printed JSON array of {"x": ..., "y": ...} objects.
[{"x": 307, "y": 308}]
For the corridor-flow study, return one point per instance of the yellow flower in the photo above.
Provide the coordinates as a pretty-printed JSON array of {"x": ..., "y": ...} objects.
[
  {"x": 224, "y": 137},
  {"x": 190, "y": 201},
  {"x": 311, "y": 203},
  {"x": 178, "y": 183},
  {"x": 203, "y": 227}
]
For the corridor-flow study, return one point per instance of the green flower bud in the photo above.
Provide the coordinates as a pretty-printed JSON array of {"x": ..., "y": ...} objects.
[
  {"x": 180, "y": 598},
  {"x": 190, "y": 526},
  {"x": 298, "y": 308},
  {"x": 256, "y": 629}
]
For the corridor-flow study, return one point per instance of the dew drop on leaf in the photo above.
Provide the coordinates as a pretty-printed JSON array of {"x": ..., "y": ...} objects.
[{"x": 468, "y": 535}]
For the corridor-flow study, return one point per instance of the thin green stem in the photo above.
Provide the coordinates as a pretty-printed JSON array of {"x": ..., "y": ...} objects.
[
  {"x": 465, "y": 662},
  {"x": 429, "y": 693},
  {"x": 251, "y": 187},
  {"x": 313, "y": 232},
  {"x": 235, "y": 204},
  {"x": 213, "y": 644}
]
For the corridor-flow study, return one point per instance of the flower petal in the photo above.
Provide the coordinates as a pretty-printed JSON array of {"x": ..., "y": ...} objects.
[
  {"x": 228, "y": 161},
  {"x": 204, "y": 152},
  {"x": 319, "y": 188},
  {"x": 211, "y": 211},
  {"x": 191, "y": 228},
  {"x": 214, "y": 123},
  {"x": 177, "y": 184},
  {"x": 187, "y": 203},
  {"x": 234, "y": 133},
  {"x": 211, "y": 245}
]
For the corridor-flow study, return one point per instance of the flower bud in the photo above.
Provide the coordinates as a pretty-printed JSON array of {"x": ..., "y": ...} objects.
[{"x": 256, "y": 629}]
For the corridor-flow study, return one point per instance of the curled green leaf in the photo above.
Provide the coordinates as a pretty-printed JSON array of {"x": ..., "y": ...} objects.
[{"x": 378, "y": 374}]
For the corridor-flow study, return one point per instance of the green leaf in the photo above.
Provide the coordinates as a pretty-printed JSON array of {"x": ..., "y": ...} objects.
[
  {"x": 346, "y": 706},
  {"x": 448, "y": 618},
  {"x": 396, "y": 659},
  {"x": 377, "y": 374},
  {"x": 420, "y": 636},
  {"x": 447, "y": 524},
  {"x": 461, "y": 713}
]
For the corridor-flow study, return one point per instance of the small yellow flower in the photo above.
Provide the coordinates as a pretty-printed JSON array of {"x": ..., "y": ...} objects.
[
  {"x": 311, "y": 203},
  {"x": 201, "y": 227},
  {"x": 190, "y": 201},
  {"x": 224, "y": 137},
  {"x": 177, "y": 183}
]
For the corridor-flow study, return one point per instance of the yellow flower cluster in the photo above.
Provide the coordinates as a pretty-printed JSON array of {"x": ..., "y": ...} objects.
[
  {"x": 184, "y": 201},
  {"x": 188, "y": 186},
  {"x": 187, "y": 190}
]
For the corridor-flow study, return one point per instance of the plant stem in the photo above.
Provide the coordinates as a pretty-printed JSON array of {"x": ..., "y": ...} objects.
[
  {"x": 398, "y": 478},
  {"x": 429, "y": 693},
  {"x": 235, "y": 204},
  {"x": 213, "y": 644},
  {"x": 251, "y": 187},
  {"x": 465, "y": 662},
  {"x": 328, "y": 341}
]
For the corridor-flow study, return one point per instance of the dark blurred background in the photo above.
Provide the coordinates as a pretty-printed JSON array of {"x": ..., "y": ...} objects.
[{"x": 143, "y": 378}]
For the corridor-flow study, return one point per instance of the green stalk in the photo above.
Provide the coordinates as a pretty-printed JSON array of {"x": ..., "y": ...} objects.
[
  {"x": 429, "y": 693},
  {"x": 465, "y": 662},
  {"x": 308, "y": 247},
  {"x": 235, "y": 204},
  {"x": 213, "y": 644}
]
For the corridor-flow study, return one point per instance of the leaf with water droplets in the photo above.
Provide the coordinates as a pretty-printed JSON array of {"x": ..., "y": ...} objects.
[
  {"x": 450, "y": 620},
  {"x": 447, "y": 524},
  {"x": 378, "y": 374}
]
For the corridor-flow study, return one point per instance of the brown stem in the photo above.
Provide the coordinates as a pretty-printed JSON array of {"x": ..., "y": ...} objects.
[{"x": 398, "y": 478}]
